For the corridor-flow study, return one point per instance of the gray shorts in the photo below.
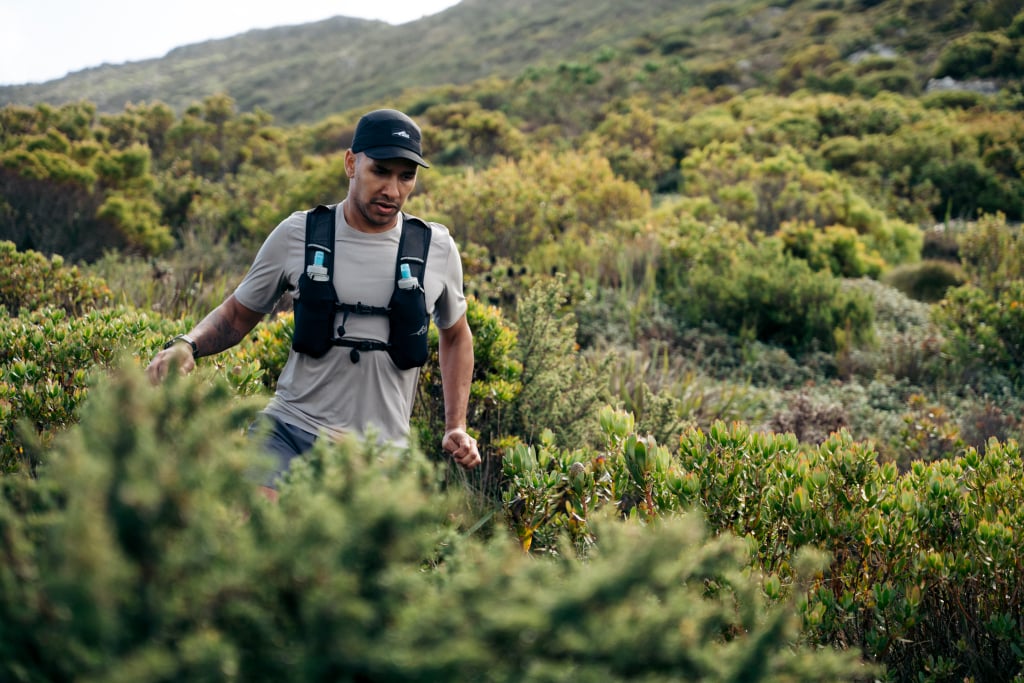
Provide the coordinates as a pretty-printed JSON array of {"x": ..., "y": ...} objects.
[{"x": 284, "y": 442}]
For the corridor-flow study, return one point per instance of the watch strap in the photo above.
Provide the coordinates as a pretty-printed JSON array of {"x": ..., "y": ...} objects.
[{"x": 188, "y": 340}]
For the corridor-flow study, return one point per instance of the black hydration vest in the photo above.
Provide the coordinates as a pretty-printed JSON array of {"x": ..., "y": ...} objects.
[{"x": 318, "y": 303}]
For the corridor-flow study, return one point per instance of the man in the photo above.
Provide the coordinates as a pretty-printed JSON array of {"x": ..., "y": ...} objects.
[{"x": 345, "y": 391}]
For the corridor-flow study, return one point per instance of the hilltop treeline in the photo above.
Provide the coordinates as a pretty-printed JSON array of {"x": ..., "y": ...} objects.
[{"x": 304, "y": 73}]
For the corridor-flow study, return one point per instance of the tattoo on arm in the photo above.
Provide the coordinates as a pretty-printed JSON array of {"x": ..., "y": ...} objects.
[
  {"x": 222, "y": 335},
  {"x": 221, "y": 330}
]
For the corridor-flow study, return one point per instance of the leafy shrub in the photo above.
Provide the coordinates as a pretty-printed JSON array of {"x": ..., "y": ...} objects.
[
  {"x": 805, "y": 64},
  {"x": 175, "y": 286},
  {"x": 717, "y": 74},
  {"x": 639, "y": 145},
  {"x": 78, "y": 197},
  {"x": 969, "y": 189},
  {"x": 909, "y": 345},
  {"x": 898, "y": 80},
  {"x": 29, "y": 281},
  {"x": 138, "y": 221},
  {"x": 979, "y": 55},
  {"x": 992, "y": 253},
  {"x": 981, "y": 321},
  {"x": 667, "y": 392},
  {"x": 983, "y": 332},
  {"x": 929, "y": 433},
  {"x": 988, "y": 420},
  {"x": 918, "y": 10},
  {"x": 465, "y": 134},
  {"x": 514, "y": 206},
  {"x": 765, "y": 194},
  {"x": 758, "y": 292},
  {"x": 836, "y": 249},
  {"x": 941, "y": 242},
  {"x": 561, "y": 389},
  {"x": 46, "y": 357},
  {"x": 613, "y": 317},
  {"x": 922, "y": 570},
  {"x": 926, "y": 281},
  {"x": 954, "y": 99}
]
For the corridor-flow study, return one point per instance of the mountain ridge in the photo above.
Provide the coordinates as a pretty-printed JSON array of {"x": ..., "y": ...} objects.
[{"x": 305, "y": 72}]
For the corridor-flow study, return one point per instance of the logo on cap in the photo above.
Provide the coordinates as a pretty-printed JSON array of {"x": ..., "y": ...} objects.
[{"x": 401, "y": 134}]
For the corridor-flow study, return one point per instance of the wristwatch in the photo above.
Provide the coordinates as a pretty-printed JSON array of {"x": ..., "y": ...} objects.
[{"x": 188, "y": 340}]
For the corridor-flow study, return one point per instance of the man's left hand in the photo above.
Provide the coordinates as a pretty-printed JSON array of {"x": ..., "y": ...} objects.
[{"x": 462, "y": 447}]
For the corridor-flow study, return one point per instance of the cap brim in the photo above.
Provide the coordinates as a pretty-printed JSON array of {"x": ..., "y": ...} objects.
[{"x": 395, "y": 153}]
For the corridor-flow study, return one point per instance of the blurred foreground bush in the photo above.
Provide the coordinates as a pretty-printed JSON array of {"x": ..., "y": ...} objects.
[{"x": 143, "y": 551}]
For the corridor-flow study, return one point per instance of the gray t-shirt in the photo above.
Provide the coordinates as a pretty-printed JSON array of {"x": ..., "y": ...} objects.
[{"x": 333, "y": 394}]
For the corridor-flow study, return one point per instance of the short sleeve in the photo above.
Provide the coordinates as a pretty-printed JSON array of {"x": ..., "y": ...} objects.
[
  {"x": 274, "y": 270},
  {"x": 451, "y": 305}
]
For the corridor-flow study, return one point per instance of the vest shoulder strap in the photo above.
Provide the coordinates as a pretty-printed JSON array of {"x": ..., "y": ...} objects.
[
  {"x": 413, "y": 247},
  {"x": 320, "y": 239}
]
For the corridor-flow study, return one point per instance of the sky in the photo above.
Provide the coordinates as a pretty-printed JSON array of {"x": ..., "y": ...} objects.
[{"x": 41, "y": 40}]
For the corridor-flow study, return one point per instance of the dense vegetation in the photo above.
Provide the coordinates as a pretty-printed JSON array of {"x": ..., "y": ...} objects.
[{"x": 746, "y": 269}]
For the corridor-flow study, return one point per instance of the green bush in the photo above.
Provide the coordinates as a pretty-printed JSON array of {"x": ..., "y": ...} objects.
[
  {"x": 45, "y": 360},
  {"x": 954, "y": 99},
  {"x": 984, "y": 332},
  {"x": 765, "y": 194},
  {"x": 909, "y": 344},
  {"x": 465, "y": 134},
  {"x": 835, "y": 249},
  {"x": 923, "y": 569},
  {"x": 979, "y": 55},
  {"x": 926, "y": 281},
  {"x": 514, "y": 206},
  {"x": 29, "y": 281},
  {"x": 969, "y": 189},
  {"x": 992, "y": 253},
  {"x": 497, "y": 382},
  {"x": 756, "y": 291},
  {"x": 982, "y": 321}
]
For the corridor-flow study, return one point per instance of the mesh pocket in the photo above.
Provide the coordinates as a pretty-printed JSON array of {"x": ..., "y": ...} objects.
[
  {"x": 314, "y": 317},
  {"x": 407, "y": 339}
]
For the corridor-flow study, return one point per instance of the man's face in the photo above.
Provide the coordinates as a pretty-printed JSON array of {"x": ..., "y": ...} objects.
[{"x": 377, "y": 190}]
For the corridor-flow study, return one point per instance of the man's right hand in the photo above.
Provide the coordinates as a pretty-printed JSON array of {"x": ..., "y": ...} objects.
[
  {"x": 178, "y": 355},
  {"x": 222, "y": 328}
]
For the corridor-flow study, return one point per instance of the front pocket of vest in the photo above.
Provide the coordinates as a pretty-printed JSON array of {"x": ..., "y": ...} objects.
[
  {"x": 314, "y": 317},
  {"x": 407, "y": 339}
]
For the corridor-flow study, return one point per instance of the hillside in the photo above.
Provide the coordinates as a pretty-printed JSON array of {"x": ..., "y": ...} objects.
[
  {"x": 304, "y": 73},
  {"x": 741, "y": 257}
]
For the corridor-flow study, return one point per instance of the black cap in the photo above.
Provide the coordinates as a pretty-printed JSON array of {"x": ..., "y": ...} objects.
[{"x": 388, "y": 134}]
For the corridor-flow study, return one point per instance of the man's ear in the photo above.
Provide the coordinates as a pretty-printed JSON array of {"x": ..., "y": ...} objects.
[{"x": 350, "y": 163}]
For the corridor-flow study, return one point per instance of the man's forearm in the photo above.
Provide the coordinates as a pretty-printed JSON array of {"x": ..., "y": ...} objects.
[
  {"x": 456, "y": 360},
  {"x": 224, "y": 327}
]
